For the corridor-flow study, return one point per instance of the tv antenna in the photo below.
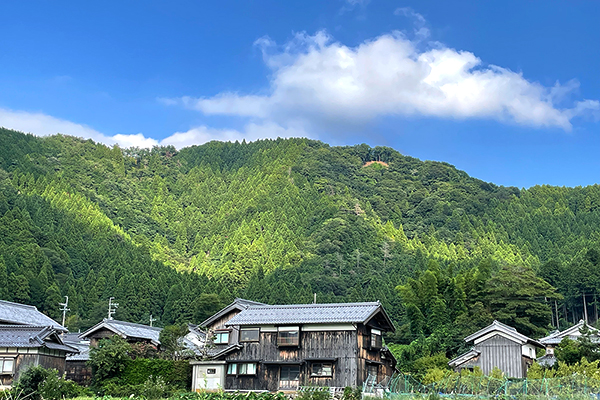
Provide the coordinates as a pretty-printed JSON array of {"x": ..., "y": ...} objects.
[
  {"x": 152, "y": 319},
  {"x": 64, "y": 309},
  {"x": 112, "y": 307}
]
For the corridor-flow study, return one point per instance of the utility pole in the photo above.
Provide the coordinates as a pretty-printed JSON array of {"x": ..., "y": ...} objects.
[
  {"x": 64, "y": 309},
  {"x": 556, "y": 307},
  {"x": 112, "y": 307},
  {"x": 315, "y": 298},
  {"x": 152, "y": 319},
  {"x": 585, "y": 309}
]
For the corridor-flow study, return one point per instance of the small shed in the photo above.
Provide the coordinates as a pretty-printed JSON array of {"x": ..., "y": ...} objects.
[{"x": 498, "y": 346}]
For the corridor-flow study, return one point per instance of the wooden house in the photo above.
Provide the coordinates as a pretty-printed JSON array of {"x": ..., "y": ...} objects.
[
  {"x": 29, "y": 338},
  {"x": 133, "y": 333},
  {"x": 498, "y": 346},
  {"x": 553, "y": 340},
  {"x": 262, "y": 347}
]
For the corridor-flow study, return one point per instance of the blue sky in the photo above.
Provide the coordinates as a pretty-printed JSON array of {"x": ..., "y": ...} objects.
[{"x": 507, "y": 91}]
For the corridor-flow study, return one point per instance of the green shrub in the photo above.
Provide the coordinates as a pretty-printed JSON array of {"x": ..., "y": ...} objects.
[
  {"x": 352, "y": 394},
  {"x": 30, "y": 381},
  {"x": 314, "y": 393},
  {"x": 54, "y": 388},
  {"x": 174, "y": 373},
  {"x": 41, "y": 383},
  {"x": 110, "y": 358}
]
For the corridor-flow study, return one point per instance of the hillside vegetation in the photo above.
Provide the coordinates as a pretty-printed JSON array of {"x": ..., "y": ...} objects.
[{"x": 177, "y": 234}]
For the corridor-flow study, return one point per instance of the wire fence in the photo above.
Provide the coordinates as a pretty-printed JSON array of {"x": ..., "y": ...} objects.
[{"x": 573, "y": 386}]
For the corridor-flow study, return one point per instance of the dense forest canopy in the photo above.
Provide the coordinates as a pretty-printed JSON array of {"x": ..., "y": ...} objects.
[{"x": 178, "y": 234}]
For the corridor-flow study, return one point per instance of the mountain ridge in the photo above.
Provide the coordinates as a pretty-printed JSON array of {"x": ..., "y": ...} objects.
[{"x": 177, "y": 233}]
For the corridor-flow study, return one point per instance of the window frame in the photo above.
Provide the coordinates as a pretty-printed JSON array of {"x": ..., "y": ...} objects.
[
  {"x": 376, "y": 339},
  {"x": 289, "y": 367},
  {"x": 322, "y": 364},
  {"x": 218, "y": 334},
  {"x": 287, "y": 330},
  {"x": 370, "y": 367},
  {"x": 250, "y": 330},
  {"x": 3, "y": 361},
  {"x": 237, "y": 366}
]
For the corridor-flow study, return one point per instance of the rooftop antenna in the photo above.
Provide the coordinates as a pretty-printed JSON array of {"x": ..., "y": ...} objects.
[
  {"x": 152, "y": 319},
  {"x": 64, "y": 309},
  {"x": 112, "y": 307}
]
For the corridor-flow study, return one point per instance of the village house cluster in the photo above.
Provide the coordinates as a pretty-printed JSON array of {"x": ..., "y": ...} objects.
[{"x": 251, "y": 346}]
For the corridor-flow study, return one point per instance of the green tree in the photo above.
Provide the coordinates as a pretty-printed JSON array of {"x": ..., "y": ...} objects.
[
  {"x": 4, "y": 291},
  {"x": 206, "y": 305},
  {"x": 519, "y": 298},
  {"x": 171, "y": 341},
  {"x": 109, "y": 359}
]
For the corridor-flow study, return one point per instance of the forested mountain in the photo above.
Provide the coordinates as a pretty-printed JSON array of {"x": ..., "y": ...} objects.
[{"x": 176, "y": 234}]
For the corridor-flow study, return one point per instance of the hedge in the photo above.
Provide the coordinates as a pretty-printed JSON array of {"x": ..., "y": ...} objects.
[{"x": 176, "y": 373}]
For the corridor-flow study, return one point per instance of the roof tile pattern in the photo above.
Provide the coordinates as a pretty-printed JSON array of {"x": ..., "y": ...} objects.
[
  {"x": 21, "y": 314},
  {"x": 128, "y": 329},
  {"x": 20, "y": 336},
  {"x": 306, "y": 314}
]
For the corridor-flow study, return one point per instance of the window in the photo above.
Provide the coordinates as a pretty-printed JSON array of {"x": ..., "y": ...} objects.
[
  {"x": 7, "y": 365},
  {"x": 241, "y": 369},
  {"x": 288, "y": 336},
  {"x": 322, "y": 369},
  {"x": 289, "y": 377},
  {"x": 376, "y": 342},
  {"x": 249, "y": 334},
  {"x": 221, "y": 338},
  {"x": 211, "y": 371},
  {"x": 372, "y": 370}
]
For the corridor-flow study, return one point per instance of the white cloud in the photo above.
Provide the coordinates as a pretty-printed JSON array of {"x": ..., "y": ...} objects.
[
  {"x": 350, "y": 5},
  {"x": 251, "y": 132},
  {"x": 317, "y": 80},
  {"x": 44, "y": 125}
]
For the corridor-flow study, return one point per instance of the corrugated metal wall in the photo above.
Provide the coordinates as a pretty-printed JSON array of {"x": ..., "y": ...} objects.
[{"x": 503, "y": 353}]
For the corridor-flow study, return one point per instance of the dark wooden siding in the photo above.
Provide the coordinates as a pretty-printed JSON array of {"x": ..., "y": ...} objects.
[
  {"x": 79, "y": 371},
  {"x": 25, "y": 361},
  {"x": 502, "y": 353},
  {"x": 368, "y": 356},
  {"x": 341, "y": 345},
  {"x": 99, "y": 335},
  {"x": 220, "y": 324}
]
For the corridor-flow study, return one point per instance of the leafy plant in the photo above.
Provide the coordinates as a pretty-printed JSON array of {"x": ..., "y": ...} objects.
[{"x": 109, "y": 358}]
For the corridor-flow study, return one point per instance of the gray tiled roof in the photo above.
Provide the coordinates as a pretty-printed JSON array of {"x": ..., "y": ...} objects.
[
  {"x": 20, "y": 336},
  {"x": 71, "y": 337},
  {"x": 461, "y": 359},
  {"x": 572, "y": 333},
  {"x": 73, "y": 340},
  {"x": 306, "y": 314},
  {"x": 238, "y": 304},
  {"x": 128, "y": 329},
  {"x": 21, "y": 314},
  {"x": 508, "y": 331},
  {"x": 84, "y": 352}
]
